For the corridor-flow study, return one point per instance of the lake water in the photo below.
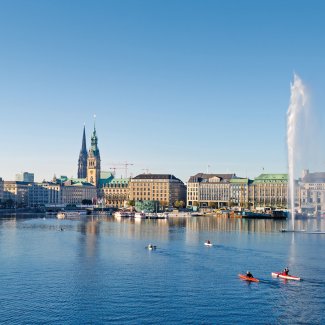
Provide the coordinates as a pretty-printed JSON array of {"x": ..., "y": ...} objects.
[{"x": 97, "y": 271}]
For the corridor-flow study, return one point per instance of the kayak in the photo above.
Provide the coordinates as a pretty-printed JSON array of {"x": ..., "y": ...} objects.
[
  {"x": 283, "y": 276},
  {"x": 208, "y": 244},
  {"x": 247, "y": 278}
]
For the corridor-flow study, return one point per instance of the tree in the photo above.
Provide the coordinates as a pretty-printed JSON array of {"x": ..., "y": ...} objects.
[
  {"x": 213, "y": 205},
  {"x": 195, "y": 203},
  {"x": 131, "y": 203},
  {"x": 163, "y": 203},
  {"x": 179, "y": 204}
]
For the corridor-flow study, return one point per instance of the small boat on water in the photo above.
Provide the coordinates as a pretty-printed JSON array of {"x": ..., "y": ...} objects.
[
  {"x": 121, "y": 214},
  {"x": 151, "y": 247},
  {"x": 285, "y": 276},
  {"x": 289, "y": 230},
  {"x": 70, "y": 214},
  {"x": 208, "y": 243},
  {"x": 247, "y": 278},
  {"x": 140, "y": 215}
]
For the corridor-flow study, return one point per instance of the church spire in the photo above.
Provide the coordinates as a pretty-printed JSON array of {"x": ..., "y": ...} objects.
[
  {"x": 83, "y": 146},
  {"x": 94, "y": 140},
  {"x": 93, "y": 162},
  {"x": 83, "y": 156}
]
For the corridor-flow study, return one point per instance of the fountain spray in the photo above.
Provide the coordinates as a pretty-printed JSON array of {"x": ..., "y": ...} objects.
[{"x": 298, "y": 100}]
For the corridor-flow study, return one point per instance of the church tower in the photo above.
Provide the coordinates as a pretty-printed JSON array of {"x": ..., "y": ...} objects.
[
  {"x": 93, "y": 162},
  {"x": 83, "y": 156}
]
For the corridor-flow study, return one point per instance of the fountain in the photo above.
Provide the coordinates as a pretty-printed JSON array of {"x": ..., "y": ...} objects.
[{"x": 297, "y": 105}]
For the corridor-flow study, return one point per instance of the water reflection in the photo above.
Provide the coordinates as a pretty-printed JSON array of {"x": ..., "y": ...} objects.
[{"x": 93, "y": 226}]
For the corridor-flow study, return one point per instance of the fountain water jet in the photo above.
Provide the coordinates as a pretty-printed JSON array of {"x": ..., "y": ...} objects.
[{"x": 297, "y": 104}]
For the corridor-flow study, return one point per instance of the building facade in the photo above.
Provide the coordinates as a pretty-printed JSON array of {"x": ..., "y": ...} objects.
[
  {"x": 25, "y": 177},
  {"x": 17, "y": 192},
  {"x": 239, "y": 192},
  {"x": 312, "y": 193},
  {"x": 115, "y": 192},
  {"x": 165, "y": 188},
  {"x": 75, "y": 191},
  {"x": 212, "y": 190},
  {"x": 269, "y": 190},
  {"x": 45, "y": 193}
]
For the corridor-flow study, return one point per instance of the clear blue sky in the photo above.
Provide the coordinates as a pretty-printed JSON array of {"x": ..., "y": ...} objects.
[{"x": 176, "y": 85}]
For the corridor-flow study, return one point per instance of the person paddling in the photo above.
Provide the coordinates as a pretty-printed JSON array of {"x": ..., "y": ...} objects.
[
  {"x": 285, "y": 271},
  {"x": 249, "y": 274}
]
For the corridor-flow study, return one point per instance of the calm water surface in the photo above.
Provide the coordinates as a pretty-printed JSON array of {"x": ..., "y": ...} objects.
[{"x": 97, "y": 270}]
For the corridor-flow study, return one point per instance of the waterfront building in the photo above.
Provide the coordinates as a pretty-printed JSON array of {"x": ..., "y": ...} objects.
[
  {"x": 25, "y": 177},
  {"x": 165, "y": 188},
  {"x": 74, "y": 191},
  {"x": 1, "y": 189},
  {"x": 41, "y": 194},
  {"x": 269, "y": 190},
  {"x": 239, "y": 192},
  {"x": 211, "y": 190},
  {"x": 93, "y": 161},
  {"x": 114, "y": 191},
  {"x": 83, "y": 156},
  {"x": 312, "y": 192},
  {"x": 17, "y": 192}
]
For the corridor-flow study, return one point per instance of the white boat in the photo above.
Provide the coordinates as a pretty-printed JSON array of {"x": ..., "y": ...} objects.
[
  {"x": 60, "y": 215},
  {"x": 70, "y": 214},
  {"x": 140, "y": 215},
  {"x": 283, "y": 276},
  {"x": 121, "y": 214},
  {"x": 208, "y": 244},
  {"x": 151, "y": 247}
]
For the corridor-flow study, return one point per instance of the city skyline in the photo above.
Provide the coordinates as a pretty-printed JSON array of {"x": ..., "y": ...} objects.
[{"x": 176, "y": 86}]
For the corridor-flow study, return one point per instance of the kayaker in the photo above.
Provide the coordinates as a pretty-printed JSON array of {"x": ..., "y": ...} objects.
[
  {"x": 249, "y": 274},
  {"x": 285, "y": 271},
  {"x": 208, "y": 242}
]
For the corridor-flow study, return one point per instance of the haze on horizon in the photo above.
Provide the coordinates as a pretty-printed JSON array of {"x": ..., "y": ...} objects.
[{"x": 176, "y": 85}]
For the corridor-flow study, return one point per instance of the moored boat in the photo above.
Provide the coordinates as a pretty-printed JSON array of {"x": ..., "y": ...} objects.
[
  {"x": 70, "y": 214},
  {"x": 285, "y": 276},
  {"x": 121, "y": 214},
  {"x": 247, "y": 278},
  {"x": 60, "y": 215},
  {"x": 140, "y": 215}
]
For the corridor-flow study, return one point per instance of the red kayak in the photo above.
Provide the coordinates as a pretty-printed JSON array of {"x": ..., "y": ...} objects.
[
  {"x": 285, "y": 276},
  {"x": 247, "y": 278}
]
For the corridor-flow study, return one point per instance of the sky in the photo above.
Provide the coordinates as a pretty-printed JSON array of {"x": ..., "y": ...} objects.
[{"x": 177, "y": 86}]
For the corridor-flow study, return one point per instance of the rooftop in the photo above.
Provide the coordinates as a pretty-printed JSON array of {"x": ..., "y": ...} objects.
[{"x": 200, "y": 177}]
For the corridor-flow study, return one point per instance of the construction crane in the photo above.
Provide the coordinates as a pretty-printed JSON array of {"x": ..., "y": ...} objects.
[
  {"x": 114, "y": 169},
  {"x": 124, "y": 166}
]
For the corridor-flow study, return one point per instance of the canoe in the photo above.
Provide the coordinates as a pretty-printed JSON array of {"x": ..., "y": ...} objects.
[
  {"x": 247, "y": 278},
  {"x": 287, "y": 277},
  {"x": 208, "y": 244}
]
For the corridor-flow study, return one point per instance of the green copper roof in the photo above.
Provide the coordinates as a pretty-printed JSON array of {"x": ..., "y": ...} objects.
[
  {"x": 77, "y": 182},
  {"x": 120, "y": 181},
  {"x": 113, "y": 181},
  {"x": 271, "y": 178},
  {"x": 105, "y": 175},
  {"x": 239, "y": 181}
]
